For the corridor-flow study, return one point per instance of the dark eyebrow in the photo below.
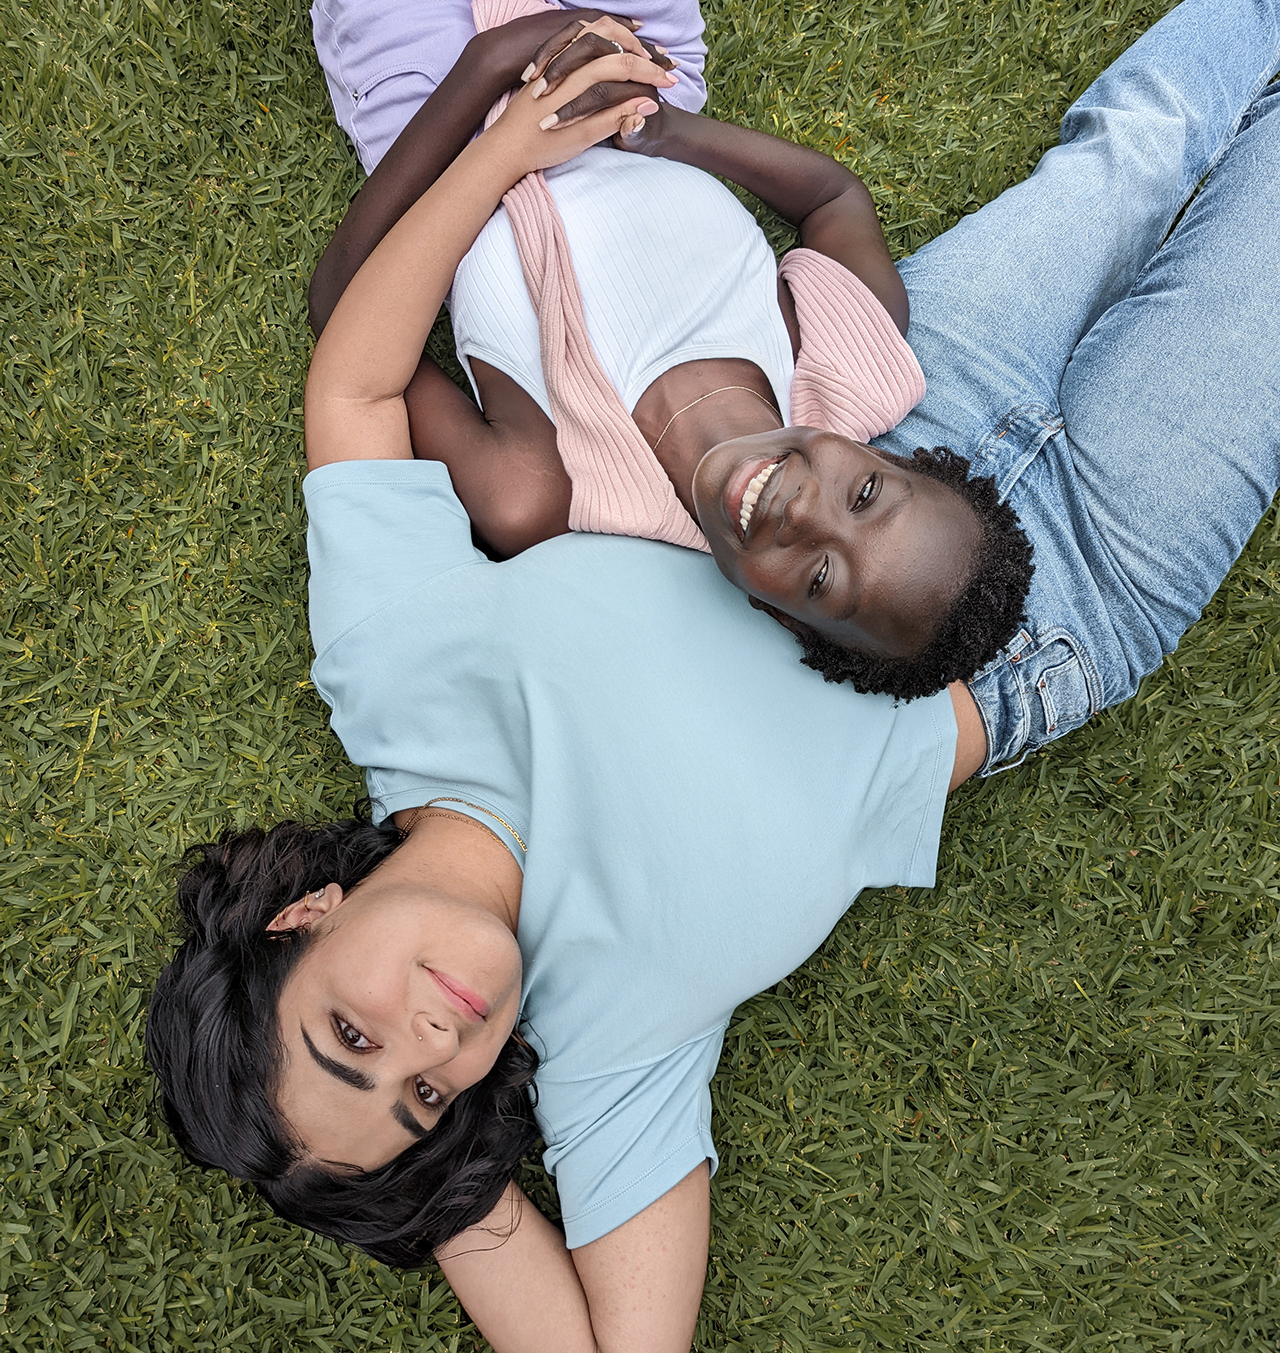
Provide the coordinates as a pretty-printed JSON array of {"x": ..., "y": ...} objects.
[
  {"x": 405, "y": 1118},
  {"x": 348, "y": 1075}
]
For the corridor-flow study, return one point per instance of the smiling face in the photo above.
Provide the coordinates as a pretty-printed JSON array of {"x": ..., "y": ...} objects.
[
  {"x": 404, "y": 999},
  {"x": 861, "y": 548}
]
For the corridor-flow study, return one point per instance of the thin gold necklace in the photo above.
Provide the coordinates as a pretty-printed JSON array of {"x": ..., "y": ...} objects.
[
  {"x": 708, "y": 395},
  {"x": 417, "y": 812}
]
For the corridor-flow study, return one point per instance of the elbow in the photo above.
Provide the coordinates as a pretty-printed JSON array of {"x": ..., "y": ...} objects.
[
  {"x": 318, "y": 307},
  {"x": 511, "y": 527}
]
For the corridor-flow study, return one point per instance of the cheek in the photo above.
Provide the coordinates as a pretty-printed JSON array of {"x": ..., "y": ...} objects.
[{"x": 761, "y": 575}]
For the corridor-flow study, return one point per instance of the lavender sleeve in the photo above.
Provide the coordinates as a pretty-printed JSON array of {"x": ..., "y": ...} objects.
[{"x": 383, "y": 58}]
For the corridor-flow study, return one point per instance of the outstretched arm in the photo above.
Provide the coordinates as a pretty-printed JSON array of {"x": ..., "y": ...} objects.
[
  {"x": 504, "y": 462},
  {"x": 829, "y": 203},
  {"x": 635, "y": 1290}
]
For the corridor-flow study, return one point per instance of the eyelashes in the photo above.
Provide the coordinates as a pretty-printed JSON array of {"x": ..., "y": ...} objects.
[
  {"x": 820, "y": 577},
  {"x": 354, "y": 1041},
  {"x": 428, "y": 1097},
  {"x": 350, "y": 1037}
]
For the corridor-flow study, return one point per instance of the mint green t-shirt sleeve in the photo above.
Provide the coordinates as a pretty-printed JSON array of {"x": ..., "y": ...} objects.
[
  {"x": 623, "y": 1139},
  {"x": 377, "y": 530}
]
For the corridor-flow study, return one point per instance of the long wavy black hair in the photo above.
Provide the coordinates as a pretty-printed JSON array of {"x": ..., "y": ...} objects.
[
  {"x": 213, "y": 1041},
  {"x": 982, "y": 618}
]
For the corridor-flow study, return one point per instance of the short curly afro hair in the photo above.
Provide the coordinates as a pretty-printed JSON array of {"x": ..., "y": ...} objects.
[{"x": 984, "y": 616}]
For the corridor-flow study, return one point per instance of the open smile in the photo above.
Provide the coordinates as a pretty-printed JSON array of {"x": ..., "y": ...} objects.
[{"x": 745, "y": 487}]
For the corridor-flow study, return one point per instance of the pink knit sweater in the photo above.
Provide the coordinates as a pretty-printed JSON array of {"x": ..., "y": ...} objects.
[{"x": 855, "y": 373}]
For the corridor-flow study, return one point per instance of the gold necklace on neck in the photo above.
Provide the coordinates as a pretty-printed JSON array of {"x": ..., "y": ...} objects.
[{"x": 708, "y": 395}]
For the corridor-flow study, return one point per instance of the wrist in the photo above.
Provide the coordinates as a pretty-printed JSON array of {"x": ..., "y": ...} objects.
[
  {"x": 498, "y": 158},
  {"x": 489, "y": 60}
]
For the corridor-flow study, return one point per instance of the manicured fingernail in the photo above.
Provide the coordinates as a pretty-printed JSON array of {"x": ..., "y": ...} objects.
[
  {"x": 539, "y": 88},
  {"x": 527, "y": 74},
  {"x": 549, "y": 121},
  {"x": 647, "y": 108},
  {"x": 658, "y": 47}
]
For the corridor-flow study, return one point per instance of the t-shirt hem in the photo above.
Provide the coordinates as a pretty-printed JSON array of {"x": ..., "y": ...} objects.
[{"x": 620, "y": 1207}]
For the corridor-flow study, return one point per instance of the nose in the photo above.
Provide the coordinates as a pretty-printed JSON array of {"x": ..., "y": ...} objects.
[
  {"x": 434, "y": 1036},
  {"x": 804, "y": 515}
]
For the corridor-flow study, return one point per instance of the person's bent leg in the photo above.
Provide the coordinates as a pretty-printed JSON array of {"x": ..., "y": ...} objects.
[
  {"x": 999, "y": 302},
  {"x": 1172, "y": 402}
]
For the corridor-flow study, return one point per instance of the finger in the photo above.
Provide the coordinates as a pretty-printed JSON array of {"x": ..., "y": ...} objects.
[
  {"x": 616, "y": 69},
  {"x": 580, "y": 52},
  {"x": 588, "y": 47},
  {"x": 606, "y": 27},
  {"x": 598, "y": 98},
  {"x": 603, "y": 125},
  {"x": 659, "y": 55}
]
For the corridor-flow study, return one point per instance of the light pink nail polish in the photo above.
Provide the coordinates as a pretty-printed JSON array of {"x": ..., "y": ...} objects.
[
  {"x": 539, "y": 88},
  {"x": 549, "y": 121},
  {"x": 527, "y": 73}
]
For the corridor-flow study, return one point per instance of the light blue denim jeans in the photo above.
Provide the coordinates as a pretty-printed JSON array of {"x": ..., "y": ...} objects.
[{"x": 1122, "y": 388}]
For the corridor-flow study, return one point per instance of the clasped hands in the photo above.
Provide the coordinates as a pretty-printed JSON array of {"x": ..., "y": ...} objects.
[{"x": 588, "y": 80}]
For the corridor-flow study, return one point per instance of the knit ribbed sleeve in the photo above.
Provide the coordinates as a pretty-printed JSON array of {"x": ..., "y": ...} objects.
[{"x": 855, "y": 373}]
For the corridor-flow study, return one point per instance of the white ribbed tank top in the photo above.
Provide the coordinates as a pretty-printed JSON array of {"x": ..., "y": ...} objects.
[{"x": 672, "y": 268}]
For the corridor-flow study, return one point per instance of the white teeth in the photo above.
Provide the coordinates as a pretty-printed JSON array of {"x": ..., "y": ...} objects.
[{"x": 751, "y": 496}]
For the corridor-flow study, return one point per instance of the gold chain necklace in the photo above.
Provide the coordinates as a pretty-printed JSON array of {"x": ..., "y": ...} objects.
[
  {"x": 413, "y": 819},
  {"x": 708, "y": 395}
]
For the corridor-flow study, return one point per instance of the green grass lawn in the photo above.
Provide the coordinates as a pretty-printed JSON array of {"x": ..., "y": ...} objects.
[{"x": 1033, "y": 1108}]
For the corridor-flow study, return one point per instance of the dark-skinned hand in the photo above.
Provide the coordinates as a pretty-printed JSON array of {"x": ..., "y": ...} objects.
[{"x": 543, "y": 49}]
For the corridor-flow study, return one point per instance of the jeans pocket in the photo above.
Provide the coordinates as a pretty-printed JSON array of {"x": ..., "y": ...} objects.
[
  {"x": 1056, "y": 678},
  {"x": 1044, "y": 688},
  {"x": 1064, "y": 696}
]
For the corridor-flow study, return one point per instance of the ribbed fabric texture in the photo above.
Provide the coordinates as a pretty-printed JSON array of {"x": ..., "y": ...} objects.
[
  {"x": 855, "y": 374},
  {"x": 618, "y": 486}
]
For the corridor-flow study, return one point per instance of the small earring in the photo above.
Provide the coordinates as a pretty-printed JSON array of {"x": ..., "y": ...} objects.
[{"x": 318, "y": 894}]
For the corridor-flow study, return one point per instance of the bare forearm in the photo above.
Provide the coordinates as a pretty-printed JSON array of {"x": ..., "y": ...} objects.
[
  {"x": 518, "y": 1283},
  {"x": 433, "y": 139},
  {"x": 635, "y": 1290},
  {"x": 370, "y": 347},
  {"x": 830, "y": 204},
  {"x": 794, "y": 180}
]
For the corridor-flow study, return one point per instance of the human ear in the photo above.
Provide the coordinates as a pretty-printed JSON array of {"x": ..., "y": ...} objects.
[
  {"x": 308, "y": 908},
  {"x": 788, "y": 622}
]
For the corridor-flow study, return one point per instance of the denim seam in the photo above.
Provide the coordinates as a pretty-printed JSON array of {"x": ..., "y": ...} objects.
[
  {"x": 1048, "y": 422},
  {"x": 1041, "y": 640}
]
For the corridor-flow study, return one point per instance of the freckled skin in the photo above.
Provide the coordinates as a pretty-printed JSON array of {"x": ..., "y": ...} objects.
[{"x": 866, "y": 551}]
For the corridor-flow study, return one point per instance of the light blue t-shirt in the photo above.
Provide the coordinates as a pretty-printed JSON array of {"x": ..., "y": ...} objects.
[{"x": 698, "y": 808}]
